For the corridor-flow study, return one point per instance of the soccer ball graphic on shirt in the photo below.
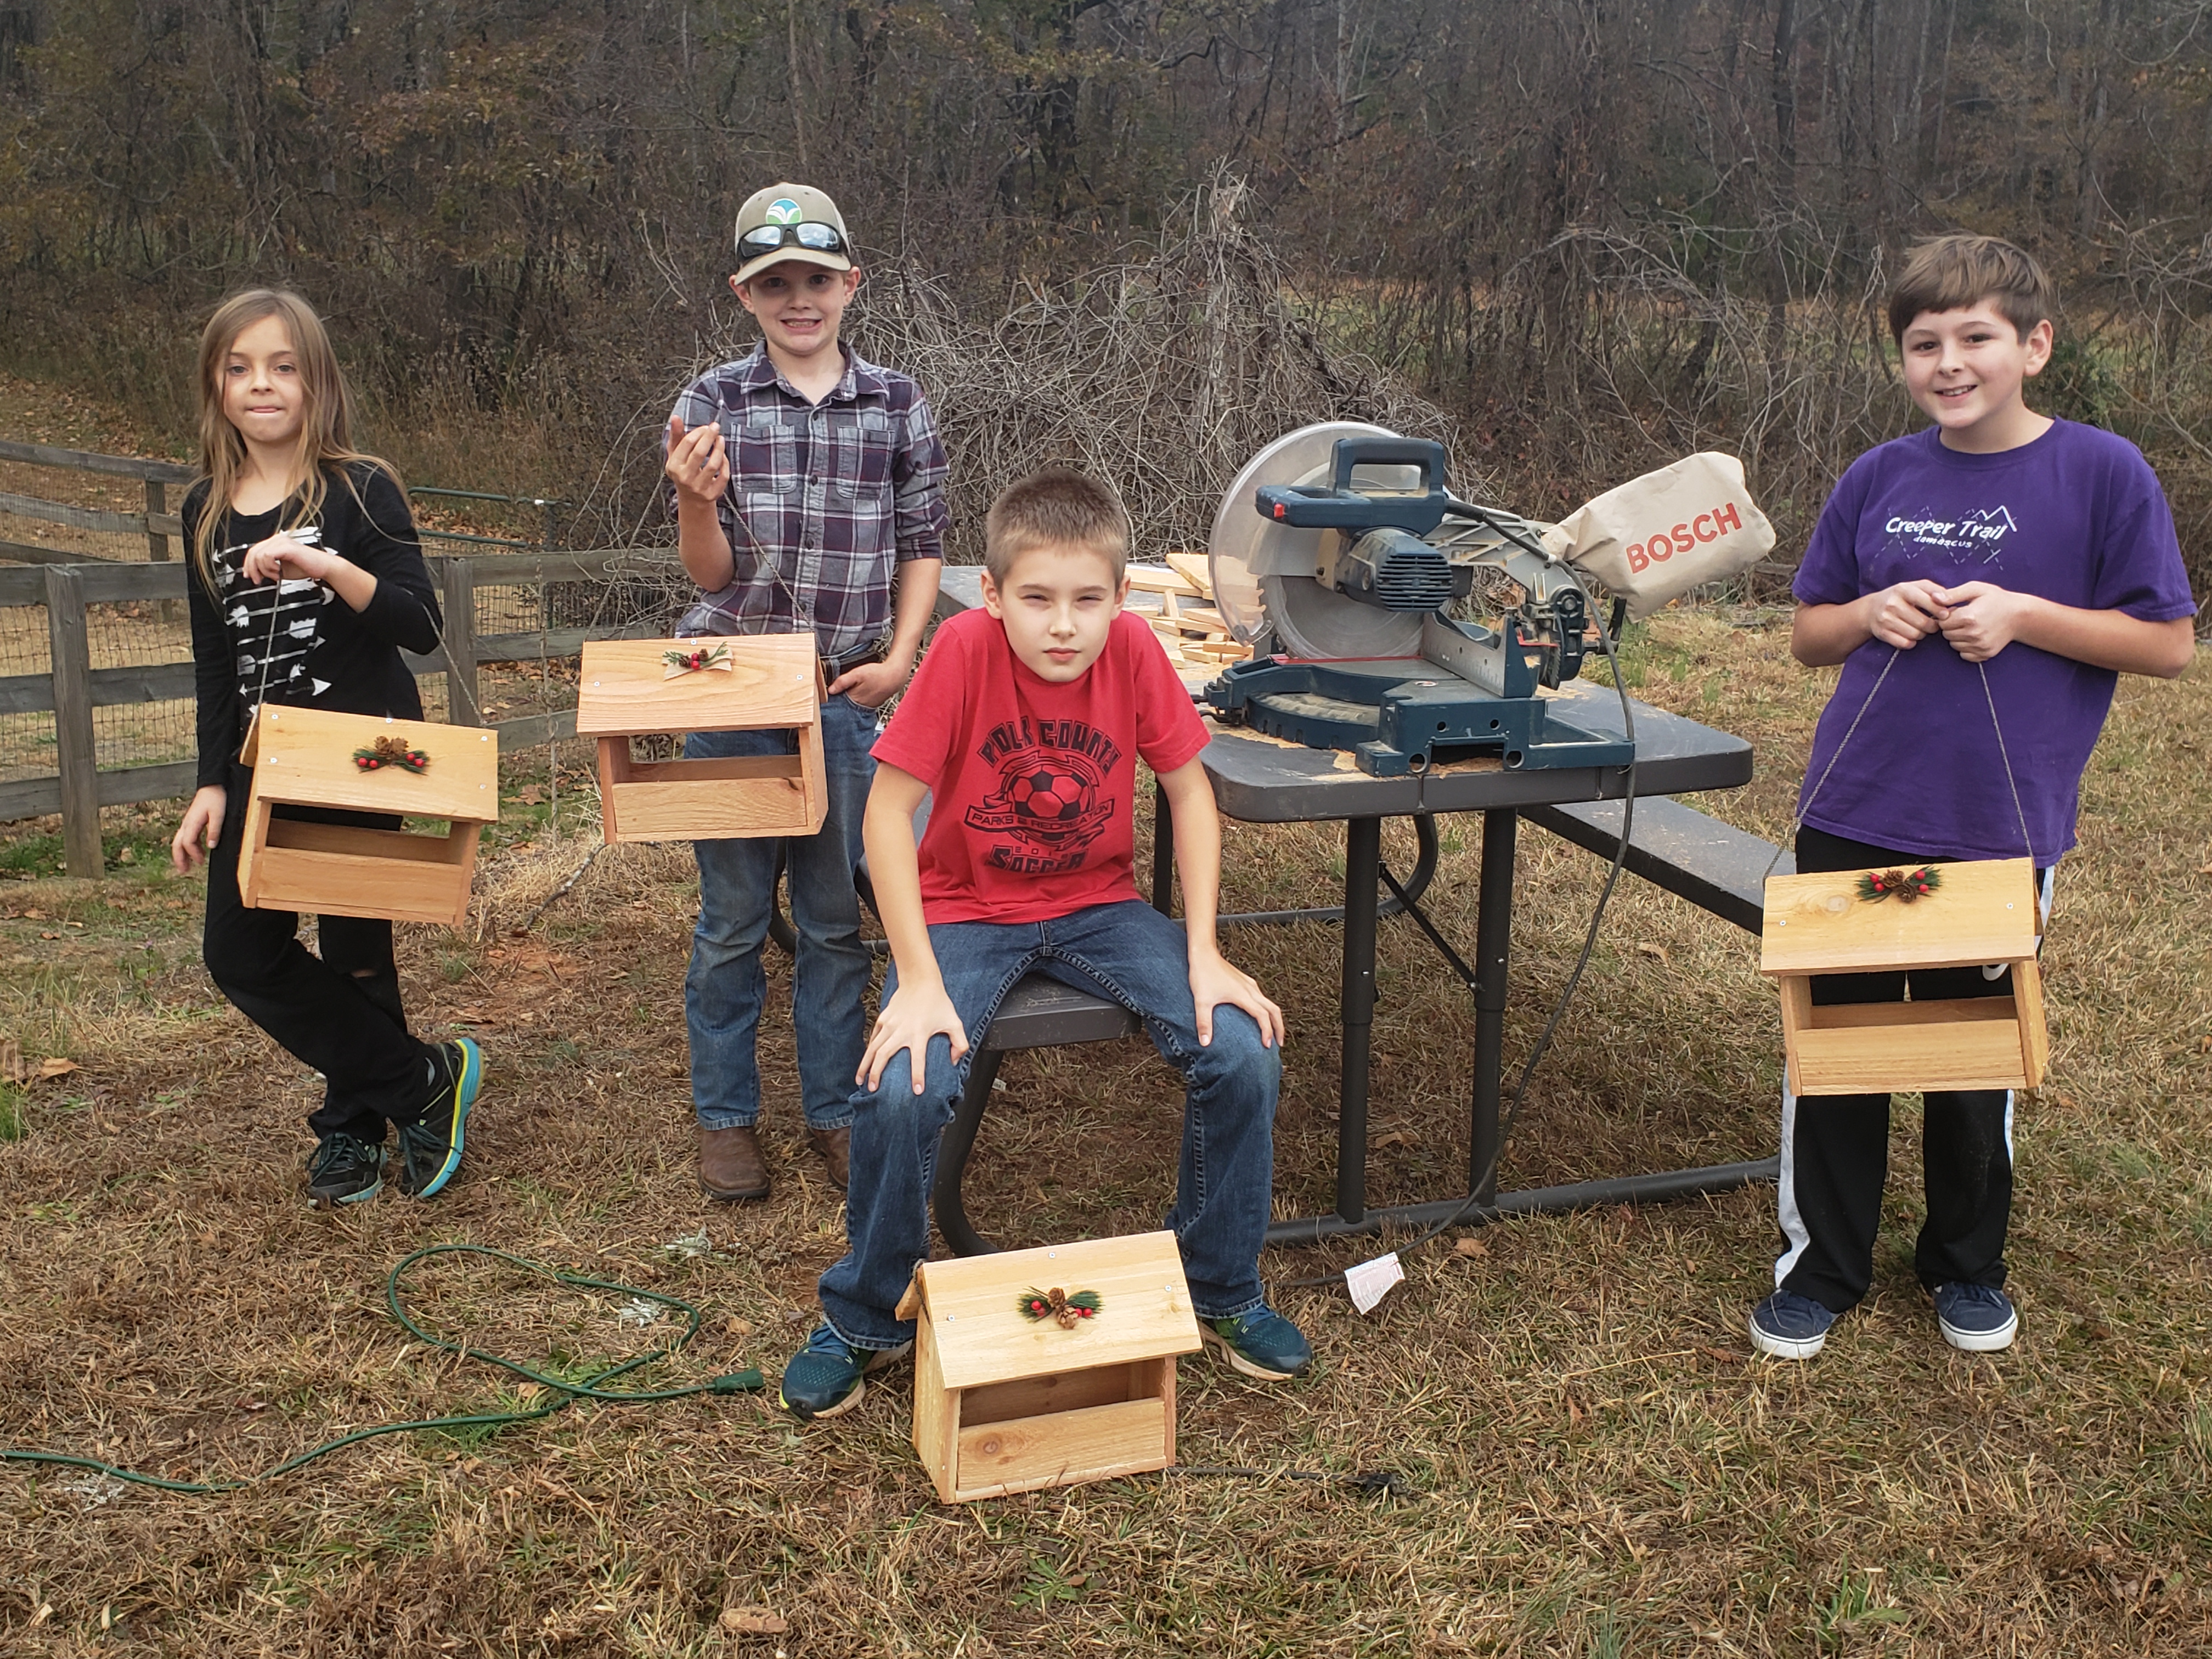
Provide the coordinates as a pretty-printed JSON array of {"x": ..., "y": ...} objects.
[
  {"x": 1047, "y": 801},
  {"x": 1050, "y": 796}
]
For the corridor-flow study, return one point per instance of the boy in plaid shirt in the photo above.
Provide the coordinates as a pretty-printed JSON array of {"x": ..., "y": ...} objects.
[{"x": 809, "y": 497}]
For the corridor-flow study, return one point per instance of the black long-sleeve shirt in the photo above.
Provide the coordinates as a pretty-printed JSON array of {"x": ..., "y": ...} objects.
[{"x": 298, "y": 643}]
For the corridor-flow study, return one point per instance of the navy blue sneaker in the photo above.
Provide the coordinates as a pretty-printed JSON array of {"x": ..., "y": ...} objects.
[
  {"x": 1788, "y": 1326},
  {"x": 1975, "y": 1318},
  {"x": 430, "y": 1148},
  {"x": 1261, "y": 1343},
  {"x": 825, "y": 1377},
  {"x": 344, "y": 1169}
]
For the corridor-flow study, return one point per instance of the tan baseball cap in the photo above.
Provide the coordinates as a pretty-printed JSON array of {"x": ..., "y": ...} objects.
[{"x": 791, "y": 222}]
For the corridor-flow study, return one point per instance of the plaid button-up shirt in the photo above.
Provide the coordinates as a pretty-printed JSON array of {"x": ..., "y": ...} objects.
[{"x": 825, "y": 499}]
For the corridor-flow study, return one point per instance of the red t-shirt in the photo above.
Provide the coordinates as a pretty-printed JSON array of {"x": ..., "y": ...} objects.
[{"x": 1033, "y": 781}]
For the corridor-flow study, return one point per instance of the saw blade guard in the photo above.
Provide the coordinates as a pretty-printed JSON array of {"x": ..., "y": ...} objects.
[{"x": 1263, "y": 571}]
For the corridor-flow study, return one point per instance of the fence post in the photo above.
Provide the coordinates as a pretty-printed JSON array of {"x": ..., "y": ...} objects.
[
  {"x": 544, "y": 586},
  {"x": 157, "y": 541},
  {"x": 76, "y": 756},
  {"x": 462, "y": 707}
]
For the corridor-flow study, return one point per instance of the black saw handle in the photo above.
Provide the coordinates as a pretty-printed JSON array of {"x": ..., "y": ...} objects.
[
  {"x": 1424, "y": 453},
  {"x": 1316, "y": 507}
]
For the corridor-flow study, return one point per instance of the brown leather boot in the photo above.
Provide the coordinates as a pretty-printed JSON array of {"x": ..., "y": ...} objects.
[
  {"x": 835, "y": 1146},
  {"x": 730, "y": 1164}
]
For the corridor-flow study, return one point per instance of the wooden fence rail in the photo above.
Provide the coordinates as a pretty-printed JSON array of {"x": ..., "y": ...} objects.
[
  {"x": 73, "y": 688},
  {"x": 156, "y": 524}
]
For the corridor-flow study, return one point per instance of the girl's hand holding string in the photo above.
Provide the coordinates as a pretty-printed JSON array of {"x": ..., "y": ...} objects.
[
  {"x": 268, "y": 561},
  {"x": 283, "y": 557},
  {"x": 204, "y": 817}
]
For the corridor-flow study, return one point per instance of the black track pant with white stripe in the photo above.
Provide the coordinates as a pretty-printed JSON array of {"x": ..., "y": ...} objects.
[{"x": 1835, "y": 1148}]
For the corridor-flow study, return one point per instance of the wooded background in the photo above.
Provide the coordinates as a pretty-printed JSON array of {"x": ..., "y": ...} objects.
[{"x": 1579, "y": 236}]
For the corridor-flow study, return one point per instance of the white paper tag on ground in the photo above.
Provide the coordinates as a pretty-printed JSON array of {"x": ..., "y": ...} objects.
[{"x": 1370, "y": 1281}]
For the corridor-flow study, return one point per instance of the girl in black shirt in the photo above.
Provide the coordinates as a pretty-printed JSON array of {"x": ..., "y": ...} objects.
[{"x": 308, "y": 582}]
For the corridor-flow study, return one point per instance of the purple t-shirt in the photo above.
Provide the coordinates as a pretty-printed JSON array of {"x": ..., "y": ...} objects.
[{"x": 2075, "y": 517}]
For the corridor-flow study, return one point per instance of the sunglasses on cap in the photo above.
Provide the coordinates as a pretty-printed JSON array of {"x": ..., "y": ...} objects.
[{"x": 766, "y": 239}]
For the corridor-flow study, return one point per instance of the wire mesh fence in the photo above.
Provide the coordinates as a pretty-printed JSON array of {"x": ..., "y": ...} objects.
[{"x": 70, "y": 508}]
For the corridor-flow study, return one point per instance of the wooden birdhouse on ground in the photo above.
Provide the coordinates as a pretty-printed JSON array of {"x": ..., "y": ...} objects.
[
  {"x": 1941, "y": 915},
  {"x": 364, "y": 763},
  {"x": 1048, "y": 1367},
  {"x": 759, "y": 682}
]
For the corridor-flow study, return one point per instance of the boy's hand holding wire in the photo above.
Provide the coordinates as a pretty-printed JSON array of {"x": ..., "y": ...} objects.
[{"x": 698, "y": 462}]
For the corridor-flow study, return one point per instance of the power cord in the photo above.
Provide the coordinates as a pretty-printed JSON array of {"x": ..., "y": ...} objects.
[
  {"x": 1474, "y": 1203},
  {"x": 565, "y": 1392}
]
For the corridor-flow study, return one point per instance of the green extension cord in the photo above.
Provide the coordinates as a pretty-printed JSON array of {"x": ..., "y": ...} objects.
[{"x": 565, "y": 1394}]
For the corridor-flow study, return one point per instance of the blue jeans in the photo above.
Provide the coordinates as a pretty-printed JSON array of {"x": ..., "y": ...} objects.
[
  {"x": 726, "y": 987},
  {"x": 1139, "y": 957}
]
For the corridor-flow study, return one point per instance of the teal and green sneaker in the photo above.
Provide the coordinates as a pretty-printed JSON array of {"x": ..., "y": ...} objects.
[
  {"x": 1261, "y": 1343},
  {"x": 344, "y": 1169},
  {"x": 430, "y": 1147},
  {"x": 824, "y": 1378}
]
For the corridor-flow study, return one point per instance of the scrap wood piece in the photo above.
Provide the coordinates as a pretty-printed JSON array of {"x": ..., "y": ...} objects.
[
  {"x": 1192, "y": 625},
  {"x": 1151, "y": 579},
  {"x": 1194, "y": 569},
  {"x": 1197, "y": 637}
]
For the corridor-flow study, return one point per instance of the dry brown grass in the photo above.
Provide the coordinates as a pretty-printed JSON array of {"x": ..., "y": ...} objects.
[{"x": 1600, "y": 1468}]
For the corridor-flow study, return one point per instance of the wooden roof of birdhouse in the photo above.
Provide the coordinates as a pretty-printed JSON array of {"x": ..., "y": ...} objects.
[
  {"x": 982, "y": 1335},
  {"x": 1981, "y": 912},
  {"x": 627, "y": 689},
  {"x": 304, "y": 756}
]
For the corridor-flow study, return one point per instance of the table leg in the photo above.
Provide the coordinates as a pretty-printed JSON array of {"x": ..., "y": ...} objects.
[
  {"x": 1493, "y": 943},
  {"x": 1493, "y": 940},
  {"x": 1164, "y": 853},
  {"x": 1425, "y": 870},
  {"x": 947, "y": 1203},
  {"x": 1362, "y": 855}
]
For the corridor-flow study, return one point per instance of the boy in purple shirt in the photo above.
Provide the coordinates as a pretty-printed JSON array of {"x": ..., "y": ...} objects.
[{"x": 1983, "y": 583}]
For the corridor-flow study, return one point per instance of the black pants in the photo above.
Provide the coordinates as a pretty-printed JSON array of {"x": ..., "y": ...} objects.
[
  {"x": 1835, "y": 1148},
  {"x": 339, "y": 1013}
]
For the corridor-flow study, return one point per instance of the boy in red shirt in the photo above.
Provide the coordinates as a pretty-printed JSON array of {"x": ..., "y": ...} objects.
[{"x": 1025, "y": 720}]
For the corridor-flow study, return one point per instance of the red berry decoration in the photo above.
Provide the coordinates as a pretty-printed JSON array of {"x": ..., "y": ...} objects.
[
  {"x": 1905, "y": 886},
  {"x": 391, "y": 752},
  {"x": 685, "y": 662},
  {"x": 1063, "y": 1308}
]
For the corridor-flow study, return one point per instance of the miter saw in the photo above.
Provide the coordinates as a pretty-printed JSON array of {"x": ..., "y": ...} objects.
[{"x": 1338, "y": 552}]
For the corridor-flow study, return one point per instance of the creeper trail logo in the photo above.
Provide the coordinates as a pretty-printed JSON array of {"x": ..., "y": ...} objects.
[
  {"x": 1049, "y": 802},
  {"x": 1980, "y": 532}
]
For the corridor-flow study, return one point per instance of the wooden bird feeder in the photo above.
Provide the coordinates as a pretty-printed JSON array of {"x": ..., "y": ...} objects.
[
  {"x": 314, "y": 757},
  {"x": 1981, "y": 913},
  {"x": 1004, "y": 1401},
  {"x": 759, "y": 682}
]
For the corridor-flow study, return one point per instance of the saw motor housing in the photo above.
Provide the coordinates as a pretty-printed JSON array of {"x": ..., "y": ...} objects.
[
  {"x": 1366, "y": 656},
  {"x": 1374, "y": 549}
]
